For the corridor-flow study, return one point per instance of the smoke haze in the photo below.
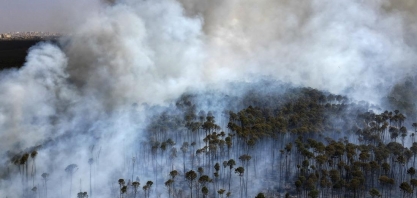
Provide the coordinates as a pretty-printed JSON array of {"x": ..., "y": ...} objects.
[{"x": 119, "y": 58}]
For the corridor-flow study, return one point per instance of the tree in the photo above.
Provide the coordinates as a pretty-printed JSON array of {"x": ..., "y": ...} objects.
[
  {"x": 148, "y": 186},
  {"x": 230, "y": 163},
  {"x": 191, "y": 176},
  {"x": 184, "y": 149},
  {"x": 90, "y": 162},
  {"x": 204, "y": 190},
  {"x": 313, "y": 193},
  {"x": 135, "y": 185},
  {"x": 45, "y": 179},
  {"x": 240, "y": 171},
  {"x": 168, "y": 184},
  {"x": 33, "y": 156},
  {"x": 260, "y": 195},
  {"x": 406, "y": 188},
  {"x": 71, "y": 169},
  {"x": 82, "y": 195},
  {"x": 411, "y": 171},
  {"x": 145, "y": 190},
  {"x": 374, "y": 193},
  {"x": 221, "y": 191},
  {"x": 121, "y": 184},
  {"x": 413, "y": 183},
  {"x": 123, "y": 190}
]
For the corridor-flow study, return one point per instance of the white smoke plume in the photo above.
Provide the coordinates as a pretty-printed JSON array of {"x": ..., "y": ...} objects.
[{"x": 85, "y": 98}]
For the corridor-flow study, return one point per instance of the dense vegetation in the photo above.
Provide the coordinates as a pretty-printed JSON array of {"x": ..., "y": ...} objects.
[{"x": 292, "y": 141}]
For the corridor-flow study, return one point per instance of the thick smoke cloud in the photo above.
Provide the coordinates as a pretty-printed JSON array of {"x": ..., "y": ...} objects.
[
  {"x": 86, "y": 97},
  {"x": 345, "y": 47}
]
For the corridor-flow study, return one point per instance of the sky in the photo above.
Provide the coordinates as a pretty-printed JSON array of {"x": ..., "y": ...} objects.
[{"x": 43, "y": 15}]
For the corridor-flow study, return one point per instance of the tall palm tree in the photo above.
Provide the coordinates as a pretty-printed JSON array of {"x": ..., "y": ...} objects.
[
  {"x": 191, "y": 176},
  {"x": 230, "y": 163},
  {"x": 121, "y": 184},
  {"x": 71, "y": 169},
  {"x": 415, "y": 126},
  {"x": 90, "y": 162},
  {"x": 241, "y": 171},
  {"x": 33, "y": 156},
  {"x": 45, "y": 184},
  {"x": 169, "y": 184},
  {"x": 184, "y": 149},
  {"x": 149, "y": 185},
  {"x": 135, "y": 185}
]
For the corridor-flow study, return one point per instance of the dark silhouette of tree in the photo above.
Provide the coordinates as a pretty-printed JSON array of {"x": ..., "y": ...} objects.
[
  {"x": 411, "y": 171},
  {"x": 221, "y": 191},
  {"x": 33, "y": 156},
  {"x": 406, "y": 188},
  {"x": 374, "y": 193},
  {"x": 191, "y": 176},
  {"x": 121, "y": 184},
  {"x": 204, "y": 190},
  {"x": 135, "y": 185},
  {"x": 413, "y": 183},
  {"x": 149, "y": 185},
  {"x": 230, "y": 163},
  {"x": 90, "y": 162},
  {"x": 123, "y": 190},
  {"x": 169, "y": 184},
  {"x": 82, "y": 195},
  {"x": 45, "y": 179},
  {"x": 240, "y": 171},
  {"x": 70, "y": 170},
  {"x": 184, "y": 149}
]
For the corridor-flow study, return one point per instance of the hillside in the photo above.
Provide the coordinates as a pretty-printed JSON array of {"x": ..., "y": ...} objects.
[{"x": 13, "y": 52}]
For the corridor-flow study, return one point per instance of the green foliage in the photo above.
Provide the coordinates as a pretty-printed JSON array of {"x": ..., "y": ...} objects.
[
  {"x": 374, "y": 193},
  {"x": 260, "y": 195},
  {"x": 406, "y": 187}
]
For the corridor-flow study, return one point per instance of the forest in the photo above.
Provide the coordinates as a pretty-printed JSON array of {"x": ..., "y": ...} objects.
[{"x": 288, "y": 142}]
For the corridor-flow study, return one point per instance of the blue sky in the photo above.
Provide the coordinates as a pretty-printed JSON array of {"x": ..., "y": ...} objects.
[{"x": 43, "y": 15}]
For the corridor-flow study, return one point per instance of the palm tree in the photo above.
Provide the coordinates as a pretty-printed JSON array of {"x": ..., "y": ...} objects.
[
  {"x": 204, "y": 190},
  {"x": 411, "y": 171},
  {"x": 190, "y": 176},
  {"x": 374, "y": 193},
  {"x": 45, "y": 179},
  {"x": 406, "y": 188},
  {"x": 149, "y": 185},
  {"x": 90, "y": 162},
  {"x": 245, "y": 161},
  {"x": 123, "y": 190},
  {"x": 135, "y": 185},
  {"x": 71, "y": 169},
  {"x": 133, "y": 164},
  {"x": 33, "y": 156},
  {"x": 240, "y": 170},
  {"x": 169, "y": 184},
  {"x": 413, "y": 182},
  {"x": 23, "y": 163},
  {"x": 221, "y": 191},
  {"x": 260, "y": 195},
  {"x": 184, "y": 149},
  {"x": 82, "y": 195},
  {"x": 121, "y": 184},
  {"x": 415, "y": 126},
  {"x": 230, "y": 163}
]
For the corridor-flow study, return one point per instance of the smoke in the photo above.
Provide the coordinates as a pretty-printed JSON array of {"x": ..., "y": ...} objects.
[
  {"x": 352, "y": 47},
  {"x": 89, "y": 96}
]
